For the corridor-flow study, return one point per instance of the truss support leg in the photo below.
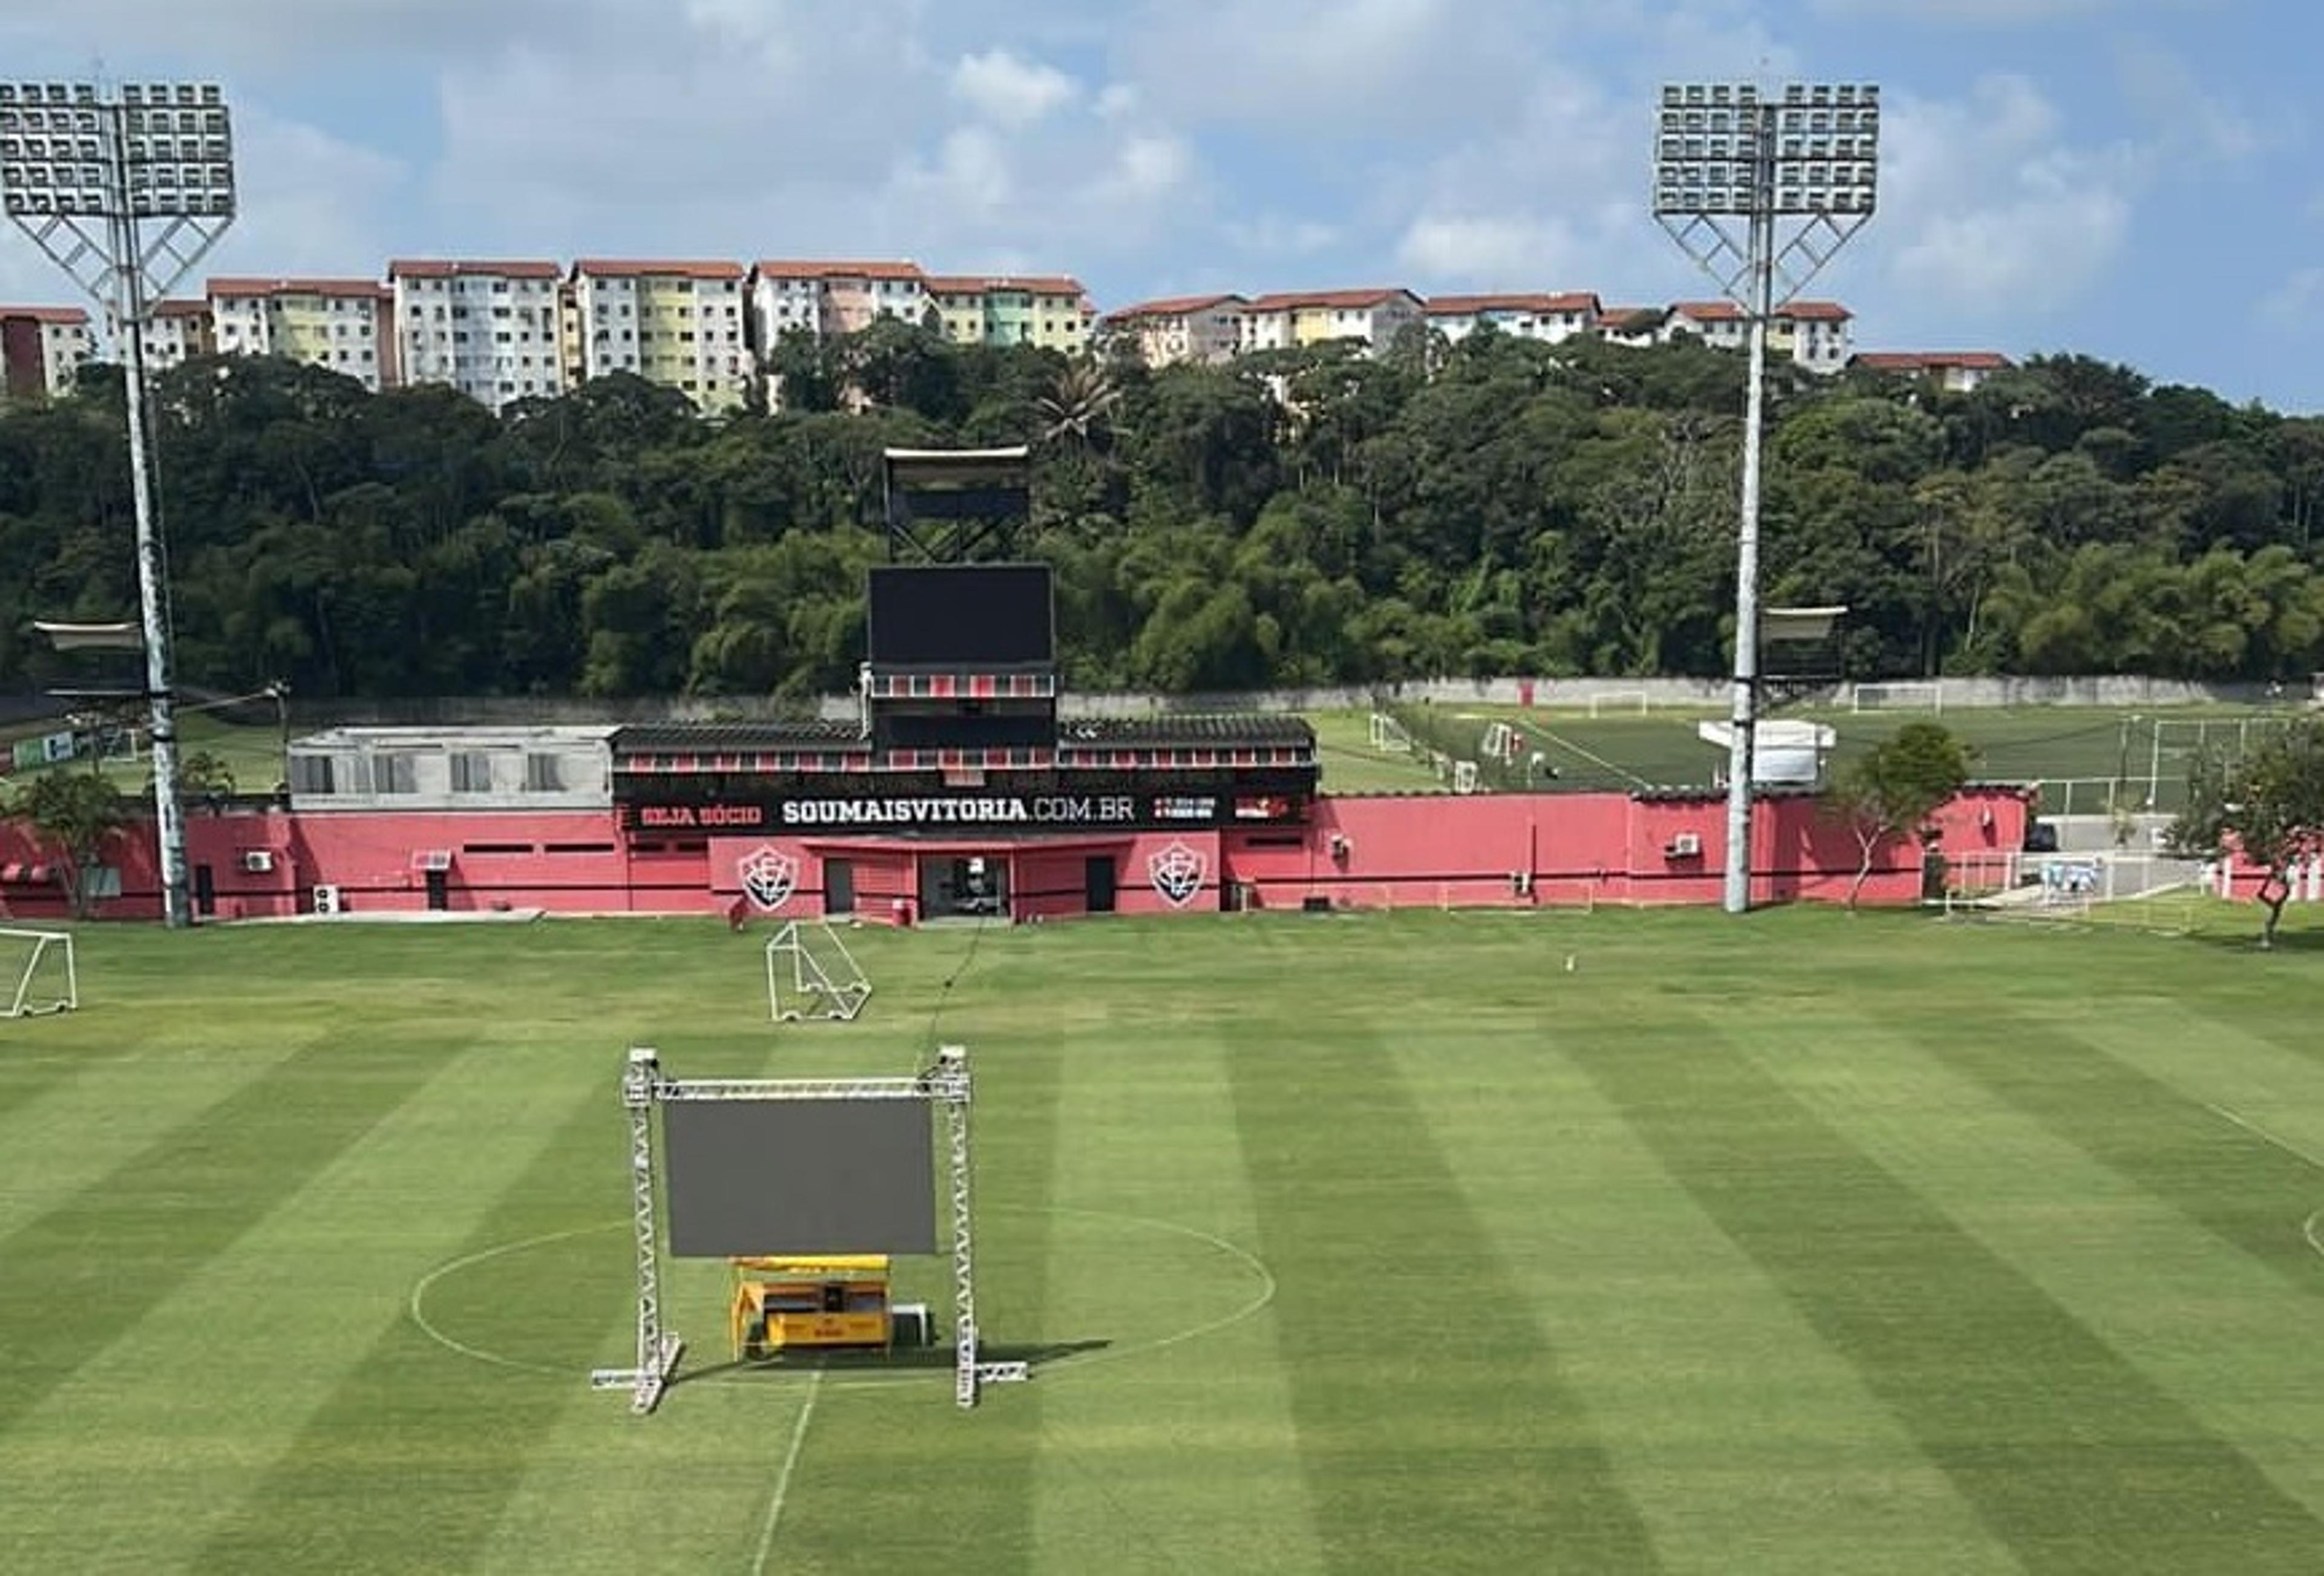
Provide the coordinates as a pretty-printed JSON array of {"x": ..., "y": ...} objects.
[{"x": 658, "y": 1349}]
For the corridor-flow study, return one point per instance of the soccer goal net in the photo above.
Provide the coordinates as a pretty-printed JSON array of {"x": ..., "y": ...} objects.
[
  {"x": 810, "y": 973},
  {"x": 1896, "y": 697},
  {"x": 38, "y": 972}
]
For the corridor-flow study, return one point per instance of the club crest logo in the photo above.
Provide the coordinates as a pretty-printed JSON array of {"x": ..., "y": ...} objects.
[
  {"x": 770, "y": 876},
  {"x": 1176, "y": 873}
]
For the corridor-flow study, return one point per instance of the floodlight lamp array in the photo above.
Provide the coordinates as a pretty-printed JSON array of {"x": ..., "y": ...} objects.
[
  {"x": 1726, "y": 148},
  {"x": 159, "y": 150}
]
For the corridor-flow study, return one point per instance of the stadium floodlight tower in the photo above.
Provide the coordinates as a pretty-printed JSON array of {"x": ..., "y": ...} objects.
[
  {"x": 126, "y": 189},
  {"x": 1762, "y": 189}
]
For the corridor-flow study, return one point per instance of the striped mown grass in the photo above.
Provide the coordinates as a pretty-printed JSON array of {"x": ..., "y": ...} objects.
[{"x": 1340, "y": 1244}]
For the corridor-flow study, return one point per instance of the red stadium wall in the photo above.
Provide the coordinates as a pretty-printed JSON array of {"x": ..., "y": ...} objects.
[{"x": 1525, "y": 849}]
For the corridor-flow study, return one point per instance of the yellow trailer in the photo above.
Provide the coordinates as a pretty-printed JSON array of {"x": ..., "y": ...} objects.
[{"x": 829, "y": 1301}]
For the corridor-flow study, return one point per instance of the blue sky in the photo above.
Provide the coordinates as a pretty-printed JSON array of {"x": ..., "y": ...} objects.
[{"x": 2138, "y": 180}]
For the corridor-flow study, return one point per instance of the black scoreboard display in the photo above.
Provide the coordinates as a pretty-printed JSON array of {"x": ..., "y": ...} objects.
[{"x": 961, "y": 615}]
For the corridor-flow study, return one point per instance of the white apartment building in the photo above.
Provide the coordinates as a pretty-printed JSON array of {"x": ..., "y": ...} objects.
[
  {"x": 489, "y": 329},
  {"x": 679, "y": 325},
  {"x": 178, "y": 332},
  {"x": 1810, "y": 333},
  {"x": 42, "y": 350},
  {"x": 833, "y": 298},
  {"x": 1958, "y": 372},
  {"x": 1180, "y": 329},
  {"x": 1292, "y": 319},
  {"x": 338, "y": 324},
  {"x": 1548, "y": 318}
]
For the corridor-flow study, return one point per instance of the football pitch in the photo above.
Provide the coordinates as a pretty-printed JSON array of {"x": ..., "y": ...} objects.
[{"x": 1632, "y": 1241}]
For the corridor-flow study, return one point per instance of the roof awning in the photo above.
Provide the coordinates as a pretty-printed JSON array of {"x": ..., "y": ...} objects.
[{"x": 120, "y": 637}]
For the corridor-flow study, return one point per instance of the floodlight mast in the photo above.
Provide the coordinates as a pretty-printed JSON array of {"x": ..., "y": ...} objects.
[
  {"x": 84, "y": 171},
  {"x": 1796, "y": 175}
]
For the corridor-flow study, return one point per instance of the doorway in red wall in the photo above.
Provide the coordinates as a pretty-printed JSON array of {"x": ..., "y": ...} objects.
[{"x": 963, "y": 885}]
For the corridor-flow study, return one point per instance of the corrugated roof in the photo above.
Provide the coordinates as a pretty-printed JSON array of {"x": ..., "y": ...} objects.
[
  {"x": 673, "y": 738},
  {"x": 1257, "y": 729}
]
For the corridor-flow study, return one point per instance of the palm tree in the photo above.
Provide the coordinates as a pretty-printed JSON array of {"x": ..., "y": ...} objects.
[{"x": 1079, "y": 405}]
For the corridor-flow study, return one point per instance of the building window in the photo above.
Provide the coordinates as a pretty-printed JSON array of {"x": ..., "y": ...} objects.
[
  {"x": 472, "y": 770},
  {"x": 398, "y": 773},
  {"x": 543, "y": 773}
]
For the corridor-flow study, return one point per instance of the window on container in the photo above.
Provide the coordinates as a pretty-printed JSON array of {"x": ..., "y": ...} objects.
[
  {"x": 472, "y": 772},
  {"x": 543, "y": 773},
  {"x": 398, "y": 773},
  {"x": 311, "y": 774}
]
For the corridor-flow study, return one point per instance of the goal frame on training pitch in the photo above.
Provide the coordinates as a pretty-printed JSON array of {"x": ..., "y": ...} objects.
[{"x": 19, "y": 1000}]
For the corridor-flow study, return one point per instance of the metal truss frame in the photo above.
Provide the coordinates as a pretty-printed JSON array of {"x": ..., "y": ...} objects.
[{"x": 946, "y": 1084}]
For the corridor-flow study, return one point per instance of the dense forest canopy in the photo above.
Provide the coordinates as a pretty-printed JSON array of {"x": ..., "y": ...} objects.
[{"x": 1494, "y": 506}]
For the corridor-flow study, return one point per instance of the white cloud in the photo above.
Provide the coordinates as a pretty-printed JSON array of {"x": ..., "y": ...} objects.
[
  {"x": 1489, "y": 251},
  {"x": 1986, "y": 210},
  {"x": 1303, "y": 68},
  {"x": 1002, "y": 88},
  {"x": 310, "y": 204}
]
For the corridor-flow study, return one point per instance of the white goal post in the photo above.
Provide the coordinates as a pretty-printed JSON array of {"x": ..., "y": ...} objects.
[
  {"x": 38, "y": 972},
  {"x": 1920, "y": 696},
  {"x": 810, "y": 973},
  {"x": 1609, "y": 701},
  {"x": 1387, "y": 735}
]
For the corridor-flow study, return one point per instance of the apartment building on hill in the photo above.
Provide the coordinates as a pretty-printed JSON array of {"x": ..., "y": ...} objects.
[
  {"x": 1205, "y": 329},
  {"x": 1291, "y": 320},
  {"x": 343, "y": 325},
  {"x": 1545, "y": 316},
  {"x": 489, "y": 329},
  {"x": 42, "y": 350},
  {"x": 677, "y": 324}
]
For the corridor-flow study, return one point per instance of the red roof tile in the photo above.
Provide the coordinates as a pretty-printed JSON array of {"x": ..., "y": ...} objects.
[
  {"x": 182, "y": 309},
  {"x": 1292, "y": 300},
  {"x": 776, "y": 268},
  {"x": 1171, "y": 307},
  {"x": 370, "y": 288},
  {"x": 1815, "y": 311},
  {"x": 1932, "y": 360},
  {"x": 599, "y": 267},
  {"x": 452, "y": 268},
  {"x": 1570, "y": 302},
  {"x": 1031, "y": 284},
  {"x": 61, "y": 317}
]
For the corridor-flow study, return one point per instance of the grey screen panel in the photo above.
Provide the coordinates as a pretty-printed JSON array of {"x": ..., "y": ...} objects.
[{"x": 798, "y": 1176}]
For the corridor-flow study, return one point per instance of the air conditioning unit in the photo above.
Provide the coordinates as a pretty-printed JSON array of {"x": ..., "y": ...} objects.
[
  {"x": 326, "y": 899},
  {"x": 1684, "y": 845},
  {"x": 258, "y": 861},
  {"x": 1521, "y": 882}
]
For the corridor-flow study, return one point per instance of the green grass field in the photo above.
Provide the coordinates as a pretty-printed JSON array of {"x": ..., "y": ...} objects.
[
  {"x": 1342, "y": 1244},
  {"x": 2075, "y": 753}
]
